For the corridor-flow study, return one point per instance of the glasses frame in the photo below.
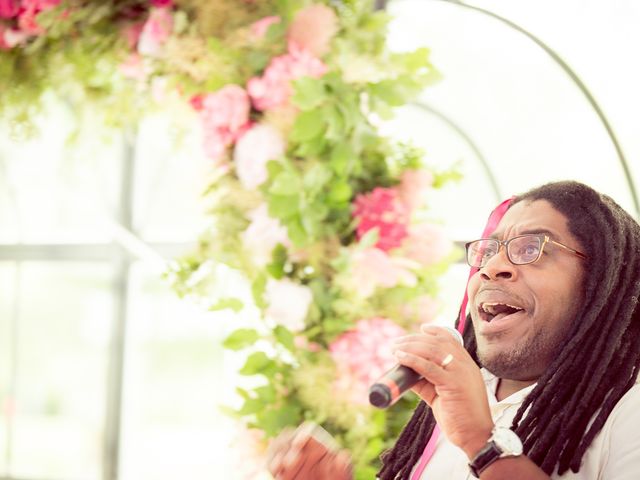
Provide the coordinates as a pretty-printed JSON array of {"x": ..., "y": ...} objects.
[{"x": 545, "y": 239}]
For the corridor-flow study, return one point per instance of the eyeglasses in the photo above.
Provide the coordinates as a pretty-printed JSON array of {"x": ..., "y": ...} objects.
[{"x": 521, "y": 250}]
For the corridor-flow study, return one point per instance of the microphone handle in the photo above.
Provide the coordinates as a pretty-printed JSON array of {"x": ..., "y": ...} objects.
[{"x": 390, "y": 387}]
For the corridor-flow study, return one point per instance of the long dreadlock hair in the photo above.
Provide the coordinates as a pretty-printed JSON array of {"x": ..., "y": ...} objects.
[{"x": 593, "y": 370}]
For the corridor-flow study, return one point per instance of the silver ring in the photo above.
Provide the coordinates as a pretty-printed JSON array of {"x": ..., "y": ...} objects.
[{"x": 446, "y": 360}]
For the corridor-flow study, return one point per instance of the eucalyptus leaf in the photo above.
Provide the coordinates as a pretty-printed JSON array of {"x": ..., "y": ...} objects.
[{"x": 241, "y": 338}]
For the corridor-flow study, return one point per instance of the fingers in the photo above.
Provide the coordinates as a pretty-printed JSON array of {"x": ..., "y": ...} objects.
[{"x": 308, "y": 453}]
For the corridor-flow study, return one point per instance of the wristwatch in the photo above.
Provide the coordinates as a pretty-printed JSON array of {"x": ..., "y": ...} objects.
[{"x": 503, "y": 442}]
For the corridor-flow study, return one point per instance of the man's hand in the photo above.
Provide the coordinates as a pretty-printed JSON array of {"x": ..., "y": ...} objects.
[
  {"x": 452, "y": 386},
  {"x": 307, "y": 453}
]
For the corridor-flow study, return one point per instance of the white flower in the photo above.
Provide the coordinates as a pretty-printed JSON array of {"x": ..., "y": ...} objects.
[
  {"x": 262, "y": 235},
  {"x": 288, "y": 303},
  {"x": 253, "y": 150}
]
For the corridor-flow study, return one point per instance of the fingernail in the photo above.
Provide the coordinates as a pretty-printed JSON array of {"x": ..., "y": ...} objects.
[{"x": 400, "y": 354}]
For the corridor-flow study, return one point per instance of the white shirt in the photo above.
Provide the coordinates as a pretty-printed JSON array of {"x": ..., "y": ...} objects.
[{"x": 614, "y": 453}]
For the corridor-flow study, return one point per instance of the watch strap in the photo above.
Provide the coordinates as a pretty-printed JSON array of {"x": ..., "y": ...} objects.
[{"x": 485, "y": 457}]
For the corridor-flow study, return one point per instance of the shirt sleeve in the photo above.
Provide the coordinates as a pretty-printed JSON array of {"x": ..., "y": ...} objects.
[{"x": 623, "y": 459}]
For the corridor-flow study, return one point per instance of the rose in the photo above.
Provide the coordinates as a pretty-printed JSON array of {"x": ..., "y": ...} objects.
[
  {"x": 262, "y": 235},
  {"x": 225, "y": 117},
  {"x": 426, "y": 244},
  {"x": 260, "y": 144},
  {"x": 155, "y": 32},
  {"x": 313, "y": 28},
  {"x": 362, "y": 354},
  {"x": 413, "y": 185},
  {"x": 382, "y": 209},
  {"x": 274, "y": 88},
  {"x": 288, "y": 303},
  {"x": 259, "y": 29},
  {"x": 371, "y": 268},
  {"x": 9, "y": 8}
]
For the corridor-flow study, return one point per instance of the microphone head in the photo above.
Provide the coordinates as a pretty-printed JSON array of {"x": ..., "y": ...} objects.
[{"x": 380, "y": 395}]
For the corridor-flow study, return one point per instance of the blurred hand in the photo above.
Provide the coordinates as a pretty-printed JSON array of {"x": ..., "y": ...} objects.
[{"x": 308, "y": 453}]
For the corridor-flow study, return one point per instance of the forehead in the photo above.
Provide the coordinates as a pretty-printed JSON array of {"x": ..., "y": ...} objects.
[{"x": 533, "y": 216}]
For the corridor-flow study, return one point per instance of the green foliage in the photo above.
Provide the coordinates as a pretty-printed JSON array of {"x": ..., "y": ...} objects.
[{"x": 334, "y": 155}]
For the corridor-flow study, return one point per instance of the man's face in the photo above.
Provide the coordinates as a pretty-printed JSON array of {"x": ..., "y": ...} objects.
[{"x": 520, "y": 346}]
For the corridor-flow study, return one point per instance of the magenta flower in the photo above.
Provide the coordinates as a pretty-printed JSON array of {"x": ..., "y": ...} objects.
[
  {"x": 362, "y": 355},
  {"x": 384, "y": 210},
  {"x": 225, "y": 117},
  {"x": 162, "y": 3},
  {"x": 274, "y": 88},
  {"x": 9, "y": 8}
]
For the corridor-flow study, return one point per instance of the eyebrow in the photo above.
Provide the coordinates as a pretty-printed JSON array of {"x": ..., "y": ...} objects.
[{"x": 528, "y": 231}]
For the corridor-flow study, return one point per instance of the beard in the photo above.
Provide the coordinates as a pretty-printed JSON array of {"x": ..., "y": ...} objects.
[{"x": 527, "y": 359}]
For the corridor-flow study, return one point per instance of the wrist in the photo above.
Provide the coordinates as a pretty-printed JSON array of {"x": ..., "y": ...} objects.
[{"x": 476, "y": 443}]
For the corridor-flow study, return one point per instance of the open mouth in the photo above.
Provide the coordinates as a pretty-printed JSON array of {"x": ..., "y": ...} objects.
[{"x": 491, "y": 311}]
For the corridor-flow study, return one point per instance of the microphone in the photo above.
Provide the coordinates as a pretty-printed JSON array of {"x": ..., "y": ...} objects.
[{"x": 392, "y": 385}]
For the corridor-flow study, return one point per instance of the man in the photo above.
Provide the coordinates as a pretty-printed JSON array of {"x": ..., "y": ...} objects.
[{"x": 545, "y": 386}]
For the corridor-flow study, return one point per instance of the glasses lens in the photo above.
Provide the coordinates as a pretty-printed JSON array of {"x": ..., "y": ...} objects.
[
  {"x": 525, "y": 249},
  {"x": 480, "y": 251}
]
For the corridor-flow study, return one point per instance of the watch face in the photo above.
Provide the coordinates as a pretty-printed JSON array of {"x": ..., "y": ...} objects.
[{"x": 507, "y": 441}]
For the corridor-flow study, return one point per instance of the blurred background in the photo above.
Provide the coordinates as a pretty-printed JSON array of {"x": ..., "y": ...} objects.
[{"x": 105, "y": 373}]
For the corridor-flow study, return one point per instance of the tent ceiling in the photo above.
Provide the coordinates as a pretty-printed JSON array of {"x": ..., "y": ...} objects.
[{"x": 509, "y": 112}]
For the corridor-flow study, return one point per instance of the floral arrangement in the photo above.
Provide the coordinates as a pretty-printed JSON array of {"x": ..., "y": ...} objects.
[{"x": 325, "y": 218}]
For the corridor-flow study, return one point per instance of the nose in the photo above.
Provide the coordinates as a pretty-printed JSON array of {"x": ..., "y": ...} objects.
[{"x": 498, "y": 267}]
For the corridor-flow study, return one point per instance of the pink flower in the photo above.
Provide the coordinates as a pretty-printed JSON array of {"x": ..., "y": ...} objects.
[
  {"x": 274, "y": 88},
  {"x": 155, "y": 31},
  {"x": 422, "y": 309},
  {"x": 413, "y": 185},
  {"x": 162, "y": 3},
  {"x": 383, "y": 209},
  {"x": 9, "y": 8},
  {"x": 131, "y": 34},
  {"x": 372, "y": 268},
  {"x": 259, "y": 29},
  {"x": 262, "y": 235},
  {"x": 362, "y": 355},
  {"x": 426, "y": 244},
  {"x": 133, "y": 67},
  {"x": 225, "y": 117},
  {"x": 10, "y": 37},
  {"x": 288, "y": 303},
  {"x": 256, "y": 147},
  {"x": 313, "y": 28}
]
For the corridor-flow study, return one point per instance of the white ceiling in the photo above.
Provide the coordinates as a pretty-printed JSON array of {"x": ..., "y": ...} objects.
[{"x": 509, "y": 113}]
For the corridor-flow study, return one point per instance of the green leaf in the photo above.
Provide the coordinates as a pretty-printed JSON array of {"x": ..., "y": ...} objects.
[
  {"x": 257, "y": 363},
  {"x": 241, "y": 338},
  {"x": 251, "y": 406},
  {"x": 309, "y": 93},
  {"x": 257, "y": 289},
  {"x": 336, "y": 124},
  {"x": 285, "y": 337},
  {"x": 297, "y": 233},
  {"x": 308, "y": 125},
  {"x": 266, "y": 393},
  {"x": 274, "y": 420},
  {"x": 278, "y": 260},
  {"x": 316, "y": 178},
  {"x": 232, "y": 303},
  {"x": 285, "y": 183},
  {"x": 340, "y": 192},
  {"x": 283, "y": 207},
  {"x": 341, "y": 157}
]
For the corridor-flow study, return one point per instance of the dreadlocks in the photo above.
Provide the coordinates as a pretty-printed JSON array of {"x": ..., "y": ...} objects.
[{"x": 580, "y": 388}]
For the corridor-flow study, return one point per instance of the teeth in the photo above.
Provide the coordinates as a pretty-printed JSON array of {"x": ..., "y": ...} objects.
[{"x": 491, "y": 309}]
